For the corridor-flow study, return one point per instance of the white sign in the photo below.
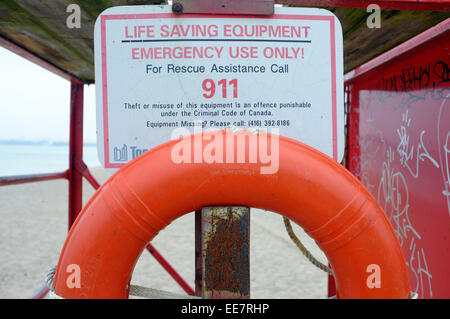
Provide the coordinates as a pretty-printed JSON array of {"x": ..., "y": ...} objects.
[{"x": 156, "y": 72}]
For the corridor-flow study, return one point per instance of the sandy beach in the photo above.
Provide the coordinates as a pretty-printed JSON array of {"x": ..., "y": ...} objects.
[{"x": 33, "y": 229}]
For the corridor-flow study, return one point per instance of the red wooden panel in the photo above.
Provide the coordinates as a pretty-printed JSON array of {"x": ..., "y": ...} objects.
[
  {"x": 399, "y": 147},
  {"x": 436, "y": 5}
]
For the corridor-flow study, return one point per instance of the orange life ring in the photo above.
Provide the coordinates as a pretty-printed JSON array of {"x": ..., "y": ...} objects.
[{"x": 309, "y": 188}]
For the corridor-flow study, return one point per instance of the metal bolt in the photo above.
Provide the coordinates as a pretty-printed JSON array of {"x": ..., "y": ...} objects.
[{"x": 177, "y": 8}]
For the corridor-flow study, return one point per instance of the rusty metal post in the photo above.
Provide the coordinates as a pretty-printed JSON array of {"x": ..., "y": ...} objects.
[
  {"x": 222, "y": 233},
  {"x": 198, "y": 254},
  {"x": 222, "y": 244}
]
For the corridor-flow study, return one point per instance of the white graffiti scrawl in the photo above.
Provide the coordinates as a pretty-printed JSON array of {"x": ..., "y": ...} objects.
[
  {"x": 444, "y": 155},
  {"x": 405, "y": 149},
  {"x": 393, "y": 196}
]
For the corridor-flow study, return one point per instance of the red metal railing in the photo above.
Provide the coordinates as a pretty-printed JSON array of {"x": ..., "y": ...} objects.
[
  {"x": 75, "y": 151},
  {"x": 23, "y": 179},
  {"x": 77, "y": 168},
  {"x": 163, "y": 262}
]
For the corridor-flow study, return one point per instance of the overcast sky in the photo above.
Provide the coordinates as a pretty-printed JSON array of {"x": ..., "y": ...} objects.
[{"x": 34, "y": 102}]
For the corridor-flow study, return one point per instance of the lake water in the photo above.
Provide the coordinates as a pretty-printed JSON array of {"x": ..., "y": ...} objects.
[{"x": 33, "y": 159}]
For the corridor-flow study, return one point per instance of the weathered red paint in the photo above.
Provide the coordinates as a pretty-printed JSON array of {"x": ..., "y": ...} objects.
[
  {"x": 84, "y": 170},
  {"x": 75, "y": 151},
  {"x": 399, "y": 147},
  {"x": 265, "y": 7},
  {"x": 423, "y": 5}
]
